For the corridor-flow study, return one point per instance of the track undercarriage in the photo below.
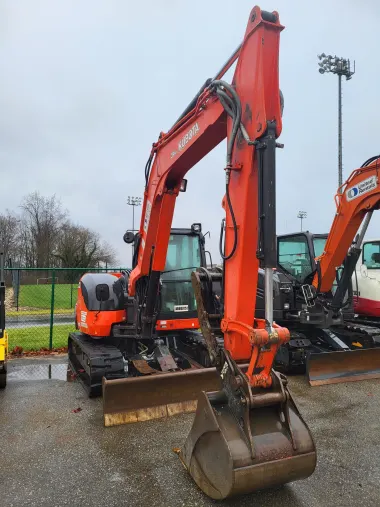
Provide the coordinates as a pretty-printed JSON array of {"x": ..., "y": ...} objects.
[{"x": 92, "y": 359}]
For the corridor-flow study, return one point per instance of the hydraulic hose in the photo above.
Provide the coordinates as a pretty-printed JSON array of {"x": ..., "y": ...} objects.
[
  {"x": 221, "y": 246},
  {"x": 370, "y": 160},
  {"x": 148, "y": 166},
  {"x": 217, "y": 84}
]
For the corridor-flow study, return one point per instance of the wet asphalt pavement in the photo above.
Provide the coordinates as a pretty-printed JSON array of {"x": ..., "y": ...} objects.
[{"x": 51, "y": 456}]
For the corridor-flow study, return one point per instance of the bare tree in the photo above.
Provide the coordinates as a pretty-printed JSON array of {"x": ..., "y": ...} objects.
[
  {"x": 26, "y": 248},
  {"x": 9, "y": 234},
  {"x": 78, "y": 246},
  {"x": 42, "y": 220},
  {"x": 43, "y": 236},
  {"x": 107, "y": 254}
]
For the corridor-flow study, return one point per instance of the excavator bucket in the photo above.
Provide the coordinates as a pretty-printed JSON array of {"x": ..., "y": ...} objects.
[
  {"x": 155, "y": 396},
  {"x": 343, "y": 366},
  {"x": 224, "y": 462}
]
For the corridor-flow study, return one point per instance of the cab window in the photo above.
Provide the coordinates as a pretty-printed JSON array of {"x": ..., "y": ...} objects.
[
  {"x": 371, "y": 254},
  {"x": 319, "y": 246},
  {"x": 182, "y": 257},
  {"x": 294, "y": 256}
]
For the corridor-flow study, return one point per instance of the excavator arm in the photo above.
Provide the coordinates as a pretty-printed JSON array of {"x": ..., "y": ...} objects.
[{"x": 248, "y": 114}]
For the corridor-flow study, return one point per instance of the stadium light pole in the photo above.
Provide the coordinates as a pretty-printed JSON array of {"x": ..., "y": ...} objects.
[
  {"x": 301, "y": 215},
  {"x": 340, "y": 67},
  {"x": 133, "y": 201}
]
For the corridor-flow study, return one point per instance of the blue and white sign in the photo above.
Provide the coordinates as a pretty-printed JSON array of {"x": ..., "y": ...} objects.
[{"x": 361, "y": 188}]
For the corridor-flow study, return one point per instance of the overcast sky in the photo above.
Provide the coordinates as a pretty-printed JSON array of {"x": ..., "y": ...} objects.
[{"x": 87, "y": 85}]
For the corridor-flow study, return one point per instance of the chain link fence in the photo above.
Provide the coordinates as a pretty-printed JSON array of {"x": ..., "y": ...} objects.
[{"x": 40, "y": 306}]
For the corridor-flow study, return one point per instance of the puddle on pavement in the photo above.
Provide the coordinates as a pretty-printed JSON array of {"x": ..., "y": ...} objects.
[{"x": 39, "y": 371}]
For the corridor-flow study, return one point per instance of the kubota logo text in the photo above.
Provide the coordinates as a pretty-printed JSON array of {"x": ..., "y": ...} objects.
[
  {"x": 147, "y": 215},
  {"x": 187, "y": 137}
]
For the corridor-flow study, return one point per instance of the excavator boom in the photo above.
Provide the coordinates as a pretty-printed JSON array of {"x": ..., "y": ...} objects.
[{"x": 248, "y": 434}]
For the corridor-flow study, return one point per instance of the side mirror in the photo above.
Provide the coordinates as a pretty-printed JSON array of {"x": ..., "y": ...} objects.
[
  {"x": 129, "y": 237},
  {"x": 102, "y": 292}
]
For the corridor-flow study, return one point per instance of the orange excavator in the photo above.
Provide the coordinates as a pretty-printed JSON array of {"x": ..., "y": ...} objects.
[{"x": 248, "y": 433}]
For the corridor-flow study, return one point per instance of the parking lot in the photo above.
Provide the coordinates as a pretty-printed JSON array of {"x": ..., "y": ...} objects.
[{"x": 53, "y": 454}]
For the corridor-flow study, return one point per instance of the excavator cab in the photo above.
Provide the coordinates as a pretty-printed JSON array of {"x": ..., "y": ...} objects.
[
  {"x": 297, "y": 256},
  {"x": 307, "y": 248},
  {"x": 186, "y": 252},
  {"x": 297, "y": 252}
]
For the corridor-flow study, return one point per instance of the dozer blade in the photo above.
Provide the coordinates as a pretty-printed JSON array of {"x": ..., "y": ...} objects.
[
  {"x": 219, "y": 458},
  {"x": 155, "y": 396},
  {"x": 341, "y": 366}
]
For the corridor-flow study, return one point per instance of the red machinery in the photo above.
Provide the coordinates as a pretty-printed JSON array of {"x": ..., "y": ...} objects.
[{"x": 250, "y": 434}]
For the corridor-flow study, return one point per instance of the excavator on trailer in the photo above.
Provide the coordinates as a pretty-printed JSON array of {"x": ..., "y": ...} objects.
[
  {"x": 248, "y": 434},
  {"x": 102, "y": 345},
  {"x": 317, "y": 272}
]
